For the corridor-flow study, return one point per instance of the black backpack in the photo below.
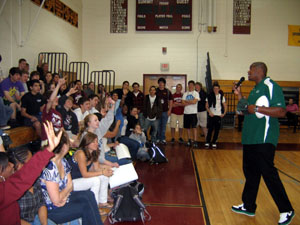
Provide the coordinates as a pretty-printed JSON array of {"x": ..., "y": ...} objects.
[
  {"x": 128, "y": 205},
  {"x": 157, "y": 155}
]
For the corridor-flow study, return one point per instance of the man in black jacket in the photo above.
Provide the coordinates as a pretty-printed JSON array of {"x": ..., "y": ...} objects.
[{"x": 152, "y": 112}]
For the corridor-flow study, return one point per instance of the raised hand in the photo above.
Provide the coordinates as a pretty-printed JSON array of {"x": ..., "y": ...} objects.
[
  {"x": 53, "y": 140},
  {"x": 110, "y": 103},
  {"x": 61, "y": 81},
  {"x": 73, "y": 90}
]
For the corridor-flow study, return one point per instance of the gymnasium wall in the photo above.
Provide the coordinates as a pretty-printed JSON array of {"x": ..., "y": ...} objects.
[
  {"x": 50, "y": 34},
  {"x": 135, "y": 53}
]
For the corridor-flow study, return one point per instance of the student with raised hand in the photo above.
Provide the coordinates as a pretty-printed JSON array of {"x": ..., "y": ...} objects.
[
  {"x": 62, "y": 202},
  {"x": 50, "y": 113},
  {"x": 65, "y": 104},
  {"x": 32, "y": 205},
  {"x": 13, "y": 186}
]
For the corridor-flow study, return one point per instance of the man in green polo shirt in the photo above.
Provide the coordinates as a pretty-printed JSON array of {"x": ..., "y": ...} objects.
[{"x": 259, "y": 138}]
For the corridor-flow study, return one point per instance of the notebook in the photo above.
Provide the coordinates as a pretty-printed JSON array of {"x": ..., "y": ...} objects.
[{"x": 122, "y": 175}]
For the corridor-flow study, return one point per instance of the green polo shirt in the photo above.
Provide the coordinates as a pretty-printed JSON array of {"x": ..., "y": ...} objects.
[{"x": 266, "y": 129}]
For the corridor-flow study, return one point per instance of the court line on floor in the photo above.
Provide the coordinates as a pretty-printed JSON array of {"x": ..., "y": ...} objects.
[
  {"x": 289, "y": 161},
  {"x": 173, "y": 205},
  {"x": 200, "y": 189}
]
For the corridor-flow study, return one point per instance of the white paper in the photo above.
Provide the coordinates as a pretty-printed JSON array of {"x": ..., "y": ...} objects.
[
  {"x": 122, "y": 175},
  {"x": 122, "y": 151}
]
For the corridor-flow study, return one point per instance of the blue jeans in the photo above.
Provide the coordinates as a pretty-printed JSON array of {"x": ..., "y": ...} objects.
[
  {"x": 154, "y": 125},
  {"x": 142, "y": 120},
  {"x": 50, "y": 222},
  {"x": 5, "y": 113},
  {"x": 132, "y": 145},
  {"x": 113, "y": 159},
  {"x": 162, "y": 123},
  {"x": 81, "y": 204}
]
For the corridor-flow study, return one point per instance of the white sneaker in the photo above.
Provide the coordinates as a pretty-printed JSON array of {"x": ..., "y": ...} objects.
[
  {"x": 206, "y": 145},
  {"x": 286, "y": 218},
  {"x": 241, "y": 210},
  {"x": 214, "y": 145}
]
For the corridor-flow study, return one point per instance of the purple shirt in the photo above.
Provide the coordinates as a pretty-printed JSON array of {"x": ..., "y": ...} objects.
[{"x": 11, "y": 87}]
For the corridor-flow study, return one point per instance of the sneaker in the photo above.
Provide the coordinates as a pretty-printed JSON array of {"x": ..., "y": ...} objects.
[
  {"x": 286, "y": 218},
  {"x": 214, "y": 145},
  {"x": 163, "y": 142},
  {"x": 172, "y": 140},
  {"x": 4, "y": 127},
  {"x": 189, "y": 143},
  {"x": 181, "y": 141},
  {"x": 206, "y": 145},
  {"x": 157, "y": 142},
  {"x": 241, "y": 210},
  {"x": 195, "y": 145}
]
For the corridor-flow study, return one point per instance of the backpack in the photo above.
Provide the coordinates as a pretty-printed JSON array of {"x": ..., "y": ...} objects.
[
  {"x": 128, "y": 205},
  {"x": 157, "y": 155}
]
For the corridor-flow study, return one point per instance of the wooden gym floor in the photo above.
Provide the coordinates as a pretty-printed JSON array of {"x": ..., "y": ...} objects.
[{"x": 199, "y": 186}]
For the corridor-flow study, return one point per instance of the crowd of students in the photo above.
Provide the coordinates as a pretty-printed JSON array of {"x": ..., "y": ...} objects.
[{"x": 94, "y": 123}]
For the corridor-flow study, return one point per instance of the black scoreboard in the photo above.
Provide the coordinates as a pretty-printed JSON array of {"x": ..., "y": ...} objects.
[{"x": 163, "y": 15}]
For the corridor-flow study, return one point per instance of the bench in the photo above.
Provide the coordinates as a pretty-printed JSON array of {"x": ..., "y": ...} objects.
[{"x": 21, "y": 136}]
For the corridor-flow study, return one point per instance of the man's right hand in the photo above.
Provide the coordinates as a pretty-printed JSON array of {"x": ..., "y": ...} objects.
[{"x": 237, "y": 90}]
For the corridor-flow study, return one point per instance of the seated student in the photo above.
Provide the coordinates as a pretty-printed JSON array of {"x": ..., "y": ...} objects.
[
  {"x": 79, "y": 94},
  {"x": 42, "y": 67},
  {"x": 32, "y": 106},
  {"x": 48, "y": 81},
  {"x": 32, "y": 204},
  {"x": 117, "y": 101},
  {"x": 132, "y": 145},
  {"x": 94, "y": 100},
  {"x": 87, "y": 173},
  {"x": 69, "y": 118},
  {"x": 22, "y": 64},
  {"x": 35, "y": 75},
  {"x": 55, "y": 78},
  {"x": 63, "y": 90},
  {"x": 90, "y": 90},
  {"x": 109, "y": 143},
  {"x": 24, "y": 80},
  {"x": 50, "y": 113},
  {"x": 101, "y": 93},
  {"x": 62, "y": 202},
  {"x": 152, "y": 112},
  {"x": 14, "y": 185},
  {"x": 5, "y": 114},
  {"x": 83, "y": 110},
  {"x": 138, "y": 135},
  {"x": 133, "y": 119},
  {"x": 11, "y": 90},
  {"x": 92, "y": 124},
  {"x": 2, "y": 149},
  {"x": 291, "y": 108}
]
